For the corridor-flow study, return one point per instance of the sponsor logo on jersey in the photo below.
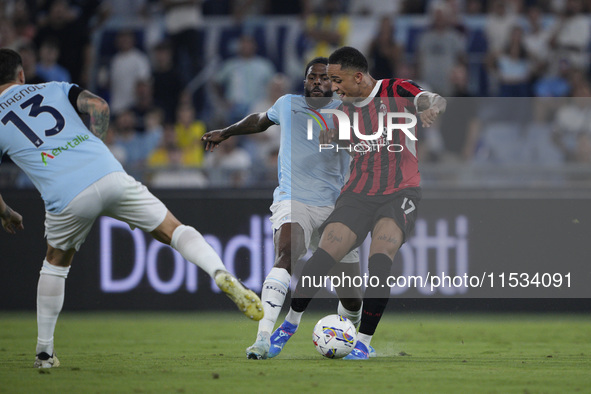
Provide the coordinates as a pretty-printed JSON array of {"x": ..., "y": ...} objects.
[
  {"x": 61, "y": 149},
  {"x": 44, "y": 157}
]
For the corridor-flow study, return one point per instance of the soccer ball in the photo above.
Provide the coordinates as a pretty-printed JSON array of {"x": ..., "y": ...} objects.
[{"x": 334, "y": 336}]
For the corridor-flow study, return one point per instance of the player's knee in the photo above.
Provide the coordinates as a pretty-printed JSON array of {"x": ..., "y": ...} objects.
[
  {"x": 388, "y": 246},
  {"x": 162, "y": 236},
  {"x": 287, "y": 255}
]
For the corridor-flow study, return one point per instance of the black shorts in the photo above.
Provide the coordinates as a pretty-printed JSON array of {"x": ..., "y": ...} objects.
[{"x": 361, "y": 213}]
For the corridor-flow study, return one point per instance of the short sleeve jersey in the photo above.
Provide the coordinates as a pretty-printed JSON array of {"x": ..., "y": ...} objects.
[
  {"x": 43, "y": 134},
  {"x": 305, "y": 173},
  {"x": 384, "y": 166}
]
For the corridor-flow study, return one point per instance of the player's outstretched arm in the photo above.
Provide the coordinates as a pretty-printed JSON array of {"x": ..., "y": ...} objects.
[
  {"x": 99, "y": 112},
  {"x": 429, "y": 106},
  {"x": 253, "y": 123},
  {"x": 11, "y": 220}
]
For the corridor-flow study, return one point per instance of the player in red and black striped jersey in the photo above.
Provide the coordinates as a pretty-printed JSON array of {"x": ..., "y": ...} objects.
[
  {"x": 384, "y": 166},
  {"x": 383, "y": 190}
]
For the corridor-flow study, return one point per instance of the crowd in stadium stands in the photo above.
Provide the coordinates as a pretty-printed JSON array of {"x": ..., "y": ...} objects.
[{"x": 518, "y": 71}]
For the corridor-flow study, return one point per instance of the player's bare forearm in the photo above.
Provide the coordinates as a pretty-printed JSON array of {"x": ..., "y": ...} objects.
[
  {"x": 3, "y": 206},
  {"x": 99, "y": 112},
  {"x": 251, "y": 124}
]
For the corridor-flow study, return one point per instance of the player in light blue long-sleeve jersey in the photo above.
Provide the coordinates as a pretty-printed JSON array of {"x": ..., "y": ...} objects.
[
  {"x": 309, "y": 184},
  {"x": 79, "y": 180}
]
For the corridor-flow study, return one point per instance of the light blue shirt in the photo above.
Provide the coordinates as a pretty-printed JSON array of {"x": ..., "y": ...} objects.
[
  {"x": 44, "y": 135},
  {"x": 306, "y": 174}
]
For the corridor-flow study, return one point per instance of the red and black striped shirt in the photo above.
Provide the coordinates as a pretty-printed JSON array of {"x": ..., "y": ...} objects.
[{"x": 384, "y": 166}]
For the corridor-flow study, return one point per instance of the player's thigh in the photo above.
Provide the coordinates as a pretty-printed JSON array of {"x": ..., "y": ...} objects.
[
  {"x": 319, "y": 215},
  {"x": 393, "y": 223},
  {"x": 337, "y": 240},
  {"x": 137, "y": 206},
  {"x": 386, "y": 238},
  {"x": 290, "y": 246},
  {"x": 298, "y": 217},
  {"x": 69, "y": 228}
]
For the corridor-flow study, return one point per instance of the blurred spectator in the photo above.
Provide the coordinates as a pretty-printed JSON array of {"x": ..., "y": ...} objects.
[
  {"x": 569, "y": 38},
  {"x": 169, "y": 164},
  {"x": 122, "y": 10},
  {"x": 326, "y": 29},
  {"x": 189, "y": 131},
  {"x": 111, "y": 141},
  {"x": 536, "y": 36},
  {"x": 167, "y": 82},
  {"x": 8, "y": 35},
  {"x": 499, "y": 22},
  {"x": 375, "y": 8},
  {"x": 514, "y": 69},
  {"x": 22, "y": 16},
  {"x": 536, "y": 39},
  {"x": 228, "y": 165},
  {"x": 455, "y": 11},
  {"x": 554, "y": 84},
  {"x": 71, "y": 32},
  {"x": 137, "y": 146},
  {"x": 183, "y": 20},
  {"x": 143, "y": 103},
  {"x": 384, "y": 53},
  {"x": 474, "y": 7},
  {"x": 29, "y": 57},
  {"x": 47, "y": 66},
  {"x": 440, "y": 48},
  {"x": 243, "y": 80},
  {"x": 128, "y": 66},
  {"x": 572, "y": 124},
  {"x": 459, "y": 124},
  {"x": 261, "y": 145},
  {"x": 243, "y": 10}
]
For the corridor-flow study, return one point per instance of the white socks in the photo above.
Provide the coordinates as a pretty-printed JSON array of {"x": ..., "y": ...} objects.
[
  {"x": 193, "y": 247},
  {"x": 294, "y": 317},
  {"x": 354, "y": 316},
  {"x": 50, "y": 299},
  {"x": 364, "y": 339},
  {"x": 273, "y": 294}
]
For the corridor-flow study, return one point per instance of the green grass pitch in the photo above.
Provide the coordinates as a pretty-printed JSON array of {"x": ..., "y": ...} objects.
[{"x": 204, "y": 353}]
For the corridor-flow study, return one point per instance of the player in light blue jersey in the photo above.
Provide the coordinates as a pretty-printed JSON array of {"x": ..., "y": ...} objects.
[
  {"x": 309, "y": 184},
  {"x": 79, "y": 180}
]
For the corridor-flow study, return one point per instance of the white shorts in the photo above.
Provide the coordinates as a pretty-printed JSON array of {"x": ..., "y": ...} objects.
[
  {"x": 310, "y": 218},
  {"x": 117, "y": 195}
]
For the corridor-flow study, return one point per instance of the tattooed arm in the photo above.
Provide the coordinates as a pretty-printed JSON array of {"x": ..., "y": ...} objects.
[
  {"x": 99, "y": 112},
  {"x": 429, "y": 106}
]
